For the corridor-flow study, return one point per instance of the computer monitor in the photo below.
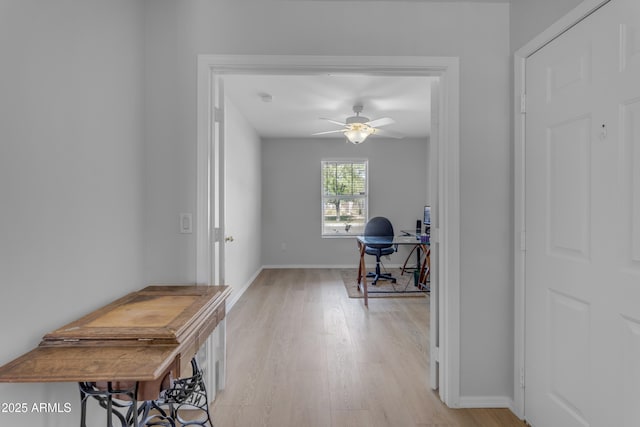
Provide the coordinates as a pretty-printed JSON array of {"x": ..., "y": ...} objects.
[{"x": 427, "y": 216}]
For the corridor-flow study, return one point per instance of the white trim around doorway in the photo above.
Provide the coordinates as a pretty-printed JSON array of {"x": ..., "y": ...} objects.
[{"x": 448, "y": 175}]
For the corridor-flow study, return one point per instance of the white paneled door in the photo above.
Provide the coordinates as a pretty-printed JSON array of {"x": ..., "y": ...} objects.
[
  {"x": 210, "y": 217},
  {"x": 582, "y": 280}
]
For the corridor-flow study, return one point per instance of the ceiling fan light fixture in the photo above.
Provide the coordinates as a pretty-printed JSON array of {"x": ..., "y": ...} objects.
[
  {"x": 357, "y": 133},
  {"x": 358, "y": 128}
]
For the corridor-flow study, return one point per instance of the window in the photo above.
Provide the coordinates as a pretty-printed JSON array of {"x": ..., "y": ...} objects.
[{"x": 344, "y": 197}]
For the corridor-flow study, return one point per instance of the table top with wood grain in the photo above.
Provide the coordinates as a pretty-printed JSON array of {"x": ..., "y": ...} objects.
[{"x": 135, "y": 338}]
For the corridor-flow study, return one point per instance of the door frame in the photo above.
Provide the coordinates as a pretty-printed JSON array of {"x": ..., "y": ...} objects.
[
  {"x": 584, "y": 9},
  {"x": 446, "y": 235}
]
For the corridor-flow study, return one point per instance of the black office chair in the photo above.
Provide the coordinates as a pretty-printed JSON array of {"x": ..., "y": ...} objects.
[{"x": 380, "y": 227}]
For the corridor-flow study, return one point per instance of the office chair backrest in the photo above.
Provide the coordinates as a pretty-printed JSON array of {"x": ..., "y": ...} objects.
[{"x": 379, "y": 227}]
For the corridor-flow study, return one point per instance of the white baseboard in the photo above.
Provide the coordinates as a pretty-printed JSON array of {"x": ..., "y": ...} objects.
[
  {"x": 515, "y": 410},
  {"x": 290, "y": 266},
  {"x": 237, "y": 292},
  {"x": 240, "y": 290},
  {"x": 486, "y": 402}
]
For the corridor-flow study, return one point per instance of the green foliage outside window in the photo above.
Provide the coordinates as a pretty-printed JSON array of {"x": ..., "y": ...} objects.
[{"x": 344, "y": 186}]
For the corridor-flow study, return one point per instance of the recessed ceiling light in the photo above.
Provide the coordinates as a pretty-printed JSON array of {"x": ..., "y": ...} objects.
[{"x": 265, "y": 97}]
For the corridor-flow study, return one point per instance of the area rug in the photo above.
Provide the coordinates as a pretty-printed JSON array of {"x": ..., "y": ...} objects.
[{"x": 384, "y": 289}]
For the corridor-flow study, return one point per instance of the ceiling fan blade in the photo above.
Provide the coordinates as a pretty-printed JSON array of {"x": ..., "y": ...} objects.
[
  {"x": 389, "y": 133},
  {"x": 382, "y": 121},
  {"x": 329, "y": 131},
  {"x": 333, "y": 121}
]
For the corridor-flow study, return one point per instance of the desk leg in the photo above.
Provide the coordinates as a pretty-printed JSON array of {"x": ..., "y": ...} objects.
[
  {"x": 362, "y": 274},
  {"x": 366, "y": 291},
  {"x": 425, "y": 267},
  {"x": 428, "y": 259},
  {"x": 404, "y": 266},
  {"x": 121, "y": 402},
  {"x": 187, "y": 400},
  {"x": 222, "y": 361},
  {"x": 361, "y": 252}
]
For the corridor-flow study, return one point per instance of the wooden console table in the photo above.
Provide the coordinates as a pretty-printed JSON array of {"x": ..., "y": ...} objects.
[{"x": 146, "y": 338}]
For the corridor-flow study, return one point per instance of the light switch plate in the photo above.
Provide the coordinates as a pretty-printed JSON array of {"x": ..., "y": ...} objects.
[{"x": 186, "y": 223}]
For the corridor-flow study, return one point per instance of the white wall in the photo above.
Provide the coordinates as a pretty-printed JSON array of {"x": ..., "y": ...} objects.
[
  {"x": 476, "y": 33},
  {"x": 529, "y": 18},
  {"x": 71, "y": 128},
  {"x": 170, "y": 148},
  {"x": 71, "y": 208},
  {"x": 71, "y": 116},
  {"x": 243, "y": 201},
  {"x": 291, "y": 188}
]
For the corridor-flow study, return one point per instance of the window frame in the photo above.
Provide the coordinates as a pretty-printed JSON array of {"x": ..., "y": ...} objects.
[{"x": 365, "y": 197}]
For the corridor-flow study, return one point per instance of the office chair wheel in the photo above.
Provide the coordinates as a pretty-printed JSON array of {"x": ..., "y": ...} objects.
[{"x": 380, "y": 276}]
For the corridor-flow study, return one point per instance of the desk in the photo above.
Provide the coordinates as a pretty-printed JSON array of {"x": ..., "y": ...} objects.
[
  {"x": 144, "y": 339},
  {"x": 396, "y": 240},
  {"x": 418, "y": 250}
]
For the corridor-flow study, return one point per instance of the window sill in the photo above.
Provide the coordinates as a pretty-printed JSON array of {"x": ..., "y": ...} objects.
[{"x": 339, "y": 236}]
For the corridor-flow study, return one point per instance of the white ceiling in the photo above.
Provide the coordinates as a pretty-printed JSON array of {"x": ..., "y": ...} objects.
[{"x": 298, "y": 102}]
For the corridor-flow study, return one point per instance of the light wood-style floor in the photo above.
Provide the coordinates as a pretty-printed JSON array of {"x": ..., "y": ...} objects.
[{"x": 302, "y": 354}]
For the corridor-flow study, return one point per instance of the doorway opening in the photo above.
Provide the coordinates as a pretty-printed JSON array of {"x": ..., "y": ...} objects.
[{"x": 443, "y": 179}]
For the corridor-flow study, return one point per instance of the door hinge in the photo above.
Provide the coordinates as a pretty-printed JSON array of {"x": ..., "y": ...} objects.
[
  {"x": 521, "y": 377},
  {"x": 218, "y": 115},
  {"x": 523, "y": 103},
  {"x": 523, "y": 241}
]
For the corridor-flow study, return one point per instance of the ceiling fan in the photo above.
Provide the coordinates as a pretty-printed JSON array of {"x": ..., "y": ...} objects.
[{"x": 357, "y": 128}]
